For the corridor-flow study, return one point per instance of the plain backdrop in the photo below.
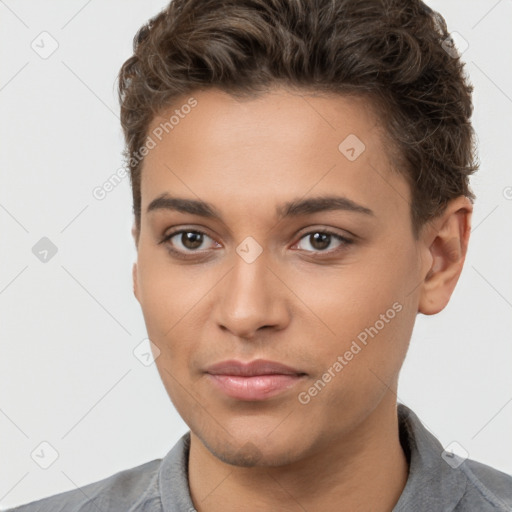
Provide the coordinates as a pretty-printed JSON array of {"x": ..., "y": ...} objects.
[{"x": 69, "y": 325}]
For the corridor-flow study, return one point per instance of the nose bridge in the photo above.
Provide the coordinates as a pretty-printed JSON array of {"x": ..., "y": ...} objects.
[{"x": 248, "y": 297}]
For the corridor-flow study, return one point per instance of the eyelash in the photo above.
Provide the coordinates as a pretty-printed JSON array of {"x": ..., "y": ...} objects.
[{"x": 344, "y": 242}]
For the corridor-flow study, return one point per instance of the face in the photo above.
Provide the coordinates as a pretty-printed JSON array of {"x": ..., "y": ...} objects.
[{"x": 268, "y": 272}]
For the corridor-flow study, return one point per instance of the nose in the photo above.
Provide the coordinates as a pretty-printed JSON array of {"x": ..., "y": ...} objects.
[{"x": 250, "y": 298}]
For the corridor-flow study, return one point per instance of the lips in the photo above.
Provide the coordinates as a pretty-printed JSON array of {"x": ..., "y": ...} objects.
[
  {"x": 253, "y": 381},
  {"x": 256, "y": 367}
]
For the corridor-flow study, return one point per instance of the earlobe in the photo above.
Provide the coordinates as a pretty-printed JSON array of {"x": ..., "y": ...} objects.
[
  {"x": 135, "y": 235},
  {"x": 134, "y": 279},
  {"x": 447, "y": 252}
]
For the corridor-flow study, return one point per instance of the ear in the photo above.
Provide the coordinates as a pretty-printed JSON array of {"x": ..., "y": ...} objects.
[
  {"x": 135, "y": 235},
  {"x": 446, "y": 241},
  {"x": 134, "y": 279}
]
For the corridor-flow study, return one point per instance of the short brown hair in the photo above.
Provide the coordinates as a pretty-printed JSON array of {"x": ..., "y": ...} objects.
[{"x": 391, "y": 51}]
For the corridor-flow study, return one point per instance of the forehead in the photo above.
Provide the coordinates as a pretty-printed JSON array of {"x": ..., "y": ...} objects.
[{"x": 256, "y": 153}]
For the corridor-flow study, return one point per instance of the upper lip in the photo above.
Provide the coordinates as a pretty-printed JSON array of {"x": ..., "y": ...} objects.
[{"x": 251, "y": 368}]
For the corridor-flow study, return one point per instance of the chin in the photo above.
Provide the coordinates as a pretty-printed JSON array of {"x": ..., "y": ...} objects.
[{"x": 254, "y": 452}]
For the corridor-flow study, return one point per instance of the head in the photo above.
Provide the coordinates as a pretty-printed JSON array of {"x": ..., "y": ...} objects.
[{"x": 323, "y": 149}]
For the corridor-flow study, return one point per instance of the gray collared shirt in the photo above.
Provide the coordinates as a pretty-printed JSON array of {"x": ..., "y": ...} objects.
[{"x": 437, "y": 482}]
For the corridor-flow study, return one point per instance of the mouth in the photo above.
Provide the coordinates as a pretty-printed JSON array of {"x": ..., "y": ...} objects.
[{"x": 254, "y": 381}]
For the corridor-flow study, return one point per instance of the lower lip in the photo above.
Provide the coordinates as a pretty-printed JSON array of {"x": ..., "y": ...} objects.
[{"x": 257, "y": 387}]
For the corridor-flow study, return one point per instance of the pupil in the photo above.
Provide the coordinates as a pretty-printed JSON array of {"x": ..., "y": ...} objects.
[
  {"x": 324, "y": 237},
  {"x": 191, "y": 240}
]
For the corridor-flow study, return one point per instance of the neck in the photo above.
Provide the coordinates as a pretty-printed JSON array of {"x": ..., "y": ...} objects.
[{"x": 365, "y": 470}]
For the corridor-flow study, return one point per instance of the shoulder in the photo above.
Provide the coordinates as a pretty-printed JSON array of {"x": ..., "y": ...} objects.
[
  {"x": 442, "y": 480},
  {"x": 487, "y": 488},
  {"x": 124, "y": 491}
]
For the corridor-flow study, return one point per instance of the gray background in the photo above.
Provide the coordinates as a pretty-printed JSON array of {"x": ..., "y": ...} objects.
[{"x": 69, "y": 326}]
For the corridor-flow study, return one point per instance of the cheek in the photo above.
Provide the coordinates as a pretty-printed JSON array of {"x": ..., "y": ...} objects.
[
  {"x": 340, "y": 302},
  {"x": 163, "y": 306},
  {"x": 173, "y": 299},
  {"x": 363, "y": 311},
  {"x": 166, "y": 291}
]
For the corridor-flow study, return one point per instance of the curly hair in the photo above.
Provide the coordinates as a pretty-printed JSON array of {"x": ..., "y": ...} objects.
[{"x": 392, "y": 52}]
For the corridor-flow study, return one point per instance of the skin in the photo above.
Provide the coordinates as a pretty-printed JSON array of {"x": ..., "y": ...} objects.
[{"x": 341, "y": 450}]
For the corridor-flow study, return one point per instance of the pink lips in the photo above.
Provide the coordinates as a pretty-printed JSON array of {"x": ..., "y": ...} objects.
[{"x": 257, "y": 380}]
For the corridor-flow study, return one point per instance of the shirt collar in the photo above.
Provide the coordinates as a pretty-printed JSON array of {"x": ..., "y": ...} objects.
[
  {"x": 173, "y": 478},
  {"x": 432, "y": 484}
]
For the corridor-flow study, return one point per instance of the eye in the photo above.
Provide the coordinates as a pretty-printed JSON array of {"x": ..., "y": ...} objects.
[
  {"x": 319, "y": 240},
  {"x": 186, "y": 241}
]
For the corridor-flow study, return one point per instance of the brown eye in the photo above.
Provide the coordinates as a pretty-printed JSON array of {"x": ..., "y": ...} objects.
[
  {"x": 319, "y": 241},
  {"x": 191, "y": 239},
  {"x": 186, "y": 241}
]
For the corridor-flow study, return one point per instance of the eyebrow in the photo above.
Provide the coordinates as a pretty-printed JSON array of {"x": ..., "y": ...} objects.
[{"x": 292, "y": 208}]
